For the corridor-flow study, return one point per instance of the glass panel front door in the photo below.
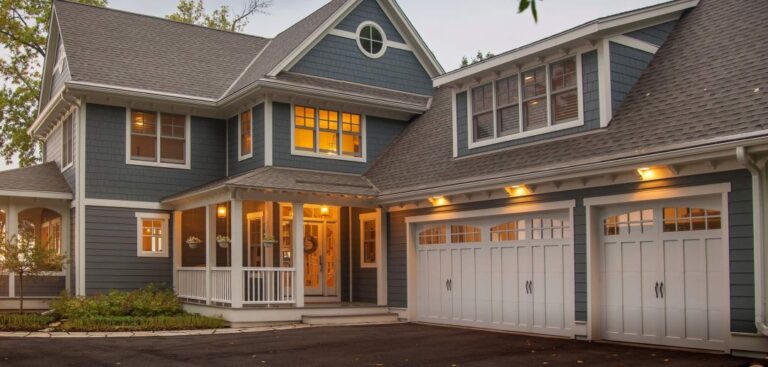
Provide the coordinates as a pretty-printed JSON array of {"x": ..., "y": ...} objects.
[{"x": 313, "y": 266}]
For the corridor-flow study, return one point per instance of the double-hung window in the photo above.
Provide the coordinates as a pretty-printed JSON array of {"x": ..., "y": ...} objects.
[
  {"x": 158, "y": 139},
  {"x": 246, "y": 135},
  {"x": 67, "y": 143},
  {"x": 152, "y": 234},
  {"x": 368, "y": 240},
  {"x": 534, "y": 101},
  {"x": 327, "y": 133}
]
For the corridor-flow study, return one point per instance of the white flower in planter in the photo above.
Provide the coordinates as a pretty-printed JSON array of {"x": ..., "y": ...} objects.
[
  {"x": 193, "y": 242},
  {"x": 223, "y": 241}
]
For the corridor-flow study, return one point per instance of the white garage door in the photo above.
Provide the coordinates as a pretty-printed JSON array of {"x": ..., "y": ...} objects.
[
  {"x": 511, "y": 273},
  {"x": 664, "y": 272}
]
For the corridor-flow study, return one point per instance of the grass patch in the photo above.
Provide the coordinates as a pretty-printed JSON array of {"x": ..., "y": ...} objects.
[
  {"x": 134, "y": 323},
  {"x": 24, "y": 322}
]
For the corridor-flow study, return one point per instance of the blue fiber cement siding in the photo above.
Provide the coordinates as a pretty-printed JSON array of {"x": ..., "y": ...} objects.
[
  {"x": 369, "y": 10},
  {"x": 740, "y": 240},
  {"x": 590, "y": 105},
  {"x": 109, "y": 177},
  {"x": 364, "y": 287},
  {"x": 655, "y": 35},
  {"x": 41, "y": 286},
  {"x": 236, "y": 166},
  {"x": 627, "y": 65},
  {"x": 380, "y": 132},
  {"x": 111, "y": 262},
  {"x": 340, "y": 58}
]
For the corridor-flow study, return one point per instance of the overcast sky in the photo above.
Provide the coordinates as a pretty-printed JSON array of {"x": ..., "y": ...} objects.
[{"x": 451, "y": 28}]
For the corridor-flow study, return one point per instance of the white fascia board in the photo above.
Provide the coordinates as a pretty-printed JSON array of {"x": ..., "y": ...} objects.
[
  {"x": 141, "y": 93},
  {"x": 37, "y": 194},
  {"x": 595, "y": 28}
]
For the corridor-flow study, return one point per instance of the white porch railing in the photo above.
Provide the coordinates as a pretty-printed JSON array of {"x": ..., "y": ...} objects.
[
  {"x": 192, "y": 283},
  {"x": 264, "y": 286},
  {"x": 221, "y": 285}
]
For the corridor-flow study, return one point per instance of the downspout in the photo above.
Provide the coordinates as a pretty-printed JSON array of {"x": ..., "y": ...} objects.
[{"x": 758, "y": 196}]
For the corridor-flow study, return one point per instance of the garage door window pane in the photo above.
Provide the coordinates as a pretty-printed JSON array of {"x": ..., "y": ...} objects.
[
  {"x": 635, "y": 222},
  {"x": 548, "y": 228},
  {"x": 511, "y": 231},
  {"x": 691, "y": 219},
  {"x": 432, "y": 236},
  {"x": 462, "y": 233}
]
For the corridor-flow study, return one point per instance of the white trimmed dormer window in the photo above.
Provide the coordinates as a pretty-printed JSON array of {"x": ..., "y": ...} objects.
[
  {"x": 245, "y": 133},
  {"x": 328, "y": 133},
  {"x": 535, "y": 101},
  {"x": 158, "y": 139}
]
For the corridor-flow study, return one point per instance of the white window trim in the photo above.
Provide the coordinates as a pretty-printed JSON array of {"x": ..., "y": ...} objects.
[
  {"x": 240, "y": 156},
  {"x": 139, "y": 236},
  {"x": 341, "y": 157},
  {"x": 383, "y": 39},
  {"x": 187, "y": 144},
  {"x": 365, "y": 218},
  {"x": 471, "y": 144},
  {"x": 73, "y": 115}
]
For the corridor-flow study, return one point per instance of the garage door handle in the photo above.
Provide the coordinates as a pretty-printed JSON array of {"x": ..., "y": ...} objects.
[
  {"x": 526, "y": 288},
  {"x": 531, "y": 286},
  {"x": 661, "y": 289},
  {"x": 447, "y": 287},
  {"x": 657, "y": 289}
]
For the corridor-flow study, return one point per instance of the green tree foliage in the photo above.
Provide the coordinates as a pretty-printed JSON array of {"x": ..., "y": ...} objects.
[
  {"x": 479, "y": 57},
  {"x": 191, "y": 11},
  {"x": 23, "y": 37},
  {"x": 22, "y": 256},
  {"x": 528, "y": 4}
]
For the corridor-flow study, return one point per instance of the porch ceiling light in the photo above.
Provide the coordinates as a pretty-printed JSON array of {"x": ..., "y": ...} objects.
[
  {"x": 324, "y": 211},
  {"x": 221, "y": 211},
  {"x": 438, "y": 200},
  {"x": 647, "y": 173},
  {"x": 518, "y": 190}
]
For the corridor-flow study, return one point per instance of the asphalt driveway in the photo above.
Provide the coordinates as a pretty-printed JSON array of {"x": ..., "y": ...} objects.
[{"x": 380, "y": 345}]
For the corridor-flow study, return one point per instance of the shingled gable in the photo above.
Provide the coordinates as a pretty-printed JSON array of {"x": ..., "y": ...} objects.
[{"x": 704, "y": 86}]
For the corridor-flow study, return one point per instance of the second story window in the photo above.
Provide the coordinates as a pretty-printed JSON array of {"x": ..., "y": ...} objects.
[
  {"x": 327, "y": 133},
  {"x": 538, "y": 100},
  {"x": 246, "y": 135},
  {"x": 68, "y": 142},
  {"x": 158, "y": 139}
]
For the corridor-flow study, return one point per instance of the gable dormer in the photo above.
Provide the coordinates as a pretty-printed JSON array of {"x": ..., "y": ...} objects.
[
  {"x": 371, "y": 44},
  {"x": 571, "y": 83}
]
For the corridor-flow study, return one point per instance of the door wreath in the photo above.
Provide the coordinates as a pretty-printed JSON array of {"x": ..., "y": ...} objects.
[{"x": 310, "y": 245}]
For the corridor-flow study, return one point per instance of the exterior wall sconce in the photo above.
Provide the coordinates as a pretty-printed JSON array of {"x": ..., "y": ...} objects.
[
  {"x": 324, "y": 211},
  {"x": 221, "y": 211},
  {"x": 647, "y": 173}
]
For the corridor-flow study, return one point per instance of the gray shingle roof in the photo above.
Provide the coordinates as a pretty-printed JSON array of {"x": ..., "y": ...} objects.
[
  {"x": 294, "y": 180},
  {"x": 40, "y": 178},
  {"x": 702, "y": 84},
  {"x": 419, "y": 101},
  {"x": 284, "y": 43},
  {"x": 152, "y": 53}
]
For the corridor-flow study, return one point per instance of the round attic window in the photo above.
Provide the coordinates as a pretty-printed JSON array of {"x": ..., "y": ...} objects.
[{"x": 371, "y": 39}]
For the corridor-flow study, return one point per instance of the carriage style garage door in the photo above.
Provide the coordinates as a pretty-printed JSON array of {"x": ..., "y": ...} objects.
[
  {"x": 664, "y": 272},
  {"x": 511, "y": 272}
]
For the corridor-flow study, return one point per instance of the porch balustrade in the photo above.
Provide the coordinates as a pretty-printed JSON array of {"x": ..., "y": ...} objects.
[
  {"x": 192, "y": 283},
  {"x": 221, "y": 285},
  {"x": 261, "y": 286}
]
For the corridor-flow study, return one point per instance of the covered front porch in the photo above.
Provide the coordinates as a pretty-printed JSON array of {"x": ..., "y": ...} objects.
[{"x": 251, "y": 249}]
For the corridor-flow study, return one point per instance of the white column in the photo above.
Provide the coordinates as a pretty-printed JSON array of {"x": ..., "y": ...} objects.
[
  {"x": 236, "y": 253},
  {"x": 12, "y": 228},
  {"x": 298, "y": 250},
  {"x": 381, "y": 257},
  {"x": 177, "y": 248},
  {"x": 210, "y": 243}
]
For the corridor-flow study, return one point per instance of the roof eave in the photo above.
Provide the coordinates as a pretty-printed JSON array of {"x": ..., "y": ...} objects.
[{"x": 596, "y": 28}]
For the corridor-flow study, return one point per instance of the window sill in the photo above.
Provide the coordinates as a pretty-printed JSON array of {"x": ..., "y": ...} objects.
[
  {"x": 158, "y": 164},
  {"x": 148, "y": 254},
  {"x": 368, "y": 266},
  {"x": 327, "y": 156},
  {"x": 527, "y": 134},
  {"x": 244, "y": 157}
]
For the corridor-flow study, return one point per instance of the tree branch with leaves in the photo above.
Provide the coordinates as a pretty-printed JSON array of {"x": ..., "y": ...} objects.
[{"x": 191, "y": 11}]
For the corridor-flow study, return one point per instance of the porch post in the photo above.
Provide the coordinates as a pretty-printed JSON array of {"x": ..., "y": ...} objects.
[
  {"x": 381, "y": 257},
  {"x": 11, "y": 228},
  {"x": 210, "y": 242},
  {"x": 236, "y": 220},
  {"x": 177, "y": 241},
  {"x": 298, "y": 251}
]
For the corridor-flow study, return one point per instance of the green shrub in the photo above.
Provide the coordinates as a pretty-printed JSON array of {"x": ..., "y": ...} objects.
[
  {"x": 150, "y": 301},
  {"x": 131, "y": 323},
  {"x": 24, "y": 322}
]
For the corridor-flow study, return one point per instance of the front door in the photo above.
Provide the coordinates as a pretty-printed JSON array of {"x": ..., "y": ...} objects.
[
  {"x": 258, "y": 256},
  {"x": 321, "y": 249}
]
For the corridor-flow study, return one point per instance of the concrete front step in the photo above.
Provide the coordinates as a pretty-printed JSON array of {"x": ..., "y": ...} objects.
[{"x": 349, "y": 319}]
